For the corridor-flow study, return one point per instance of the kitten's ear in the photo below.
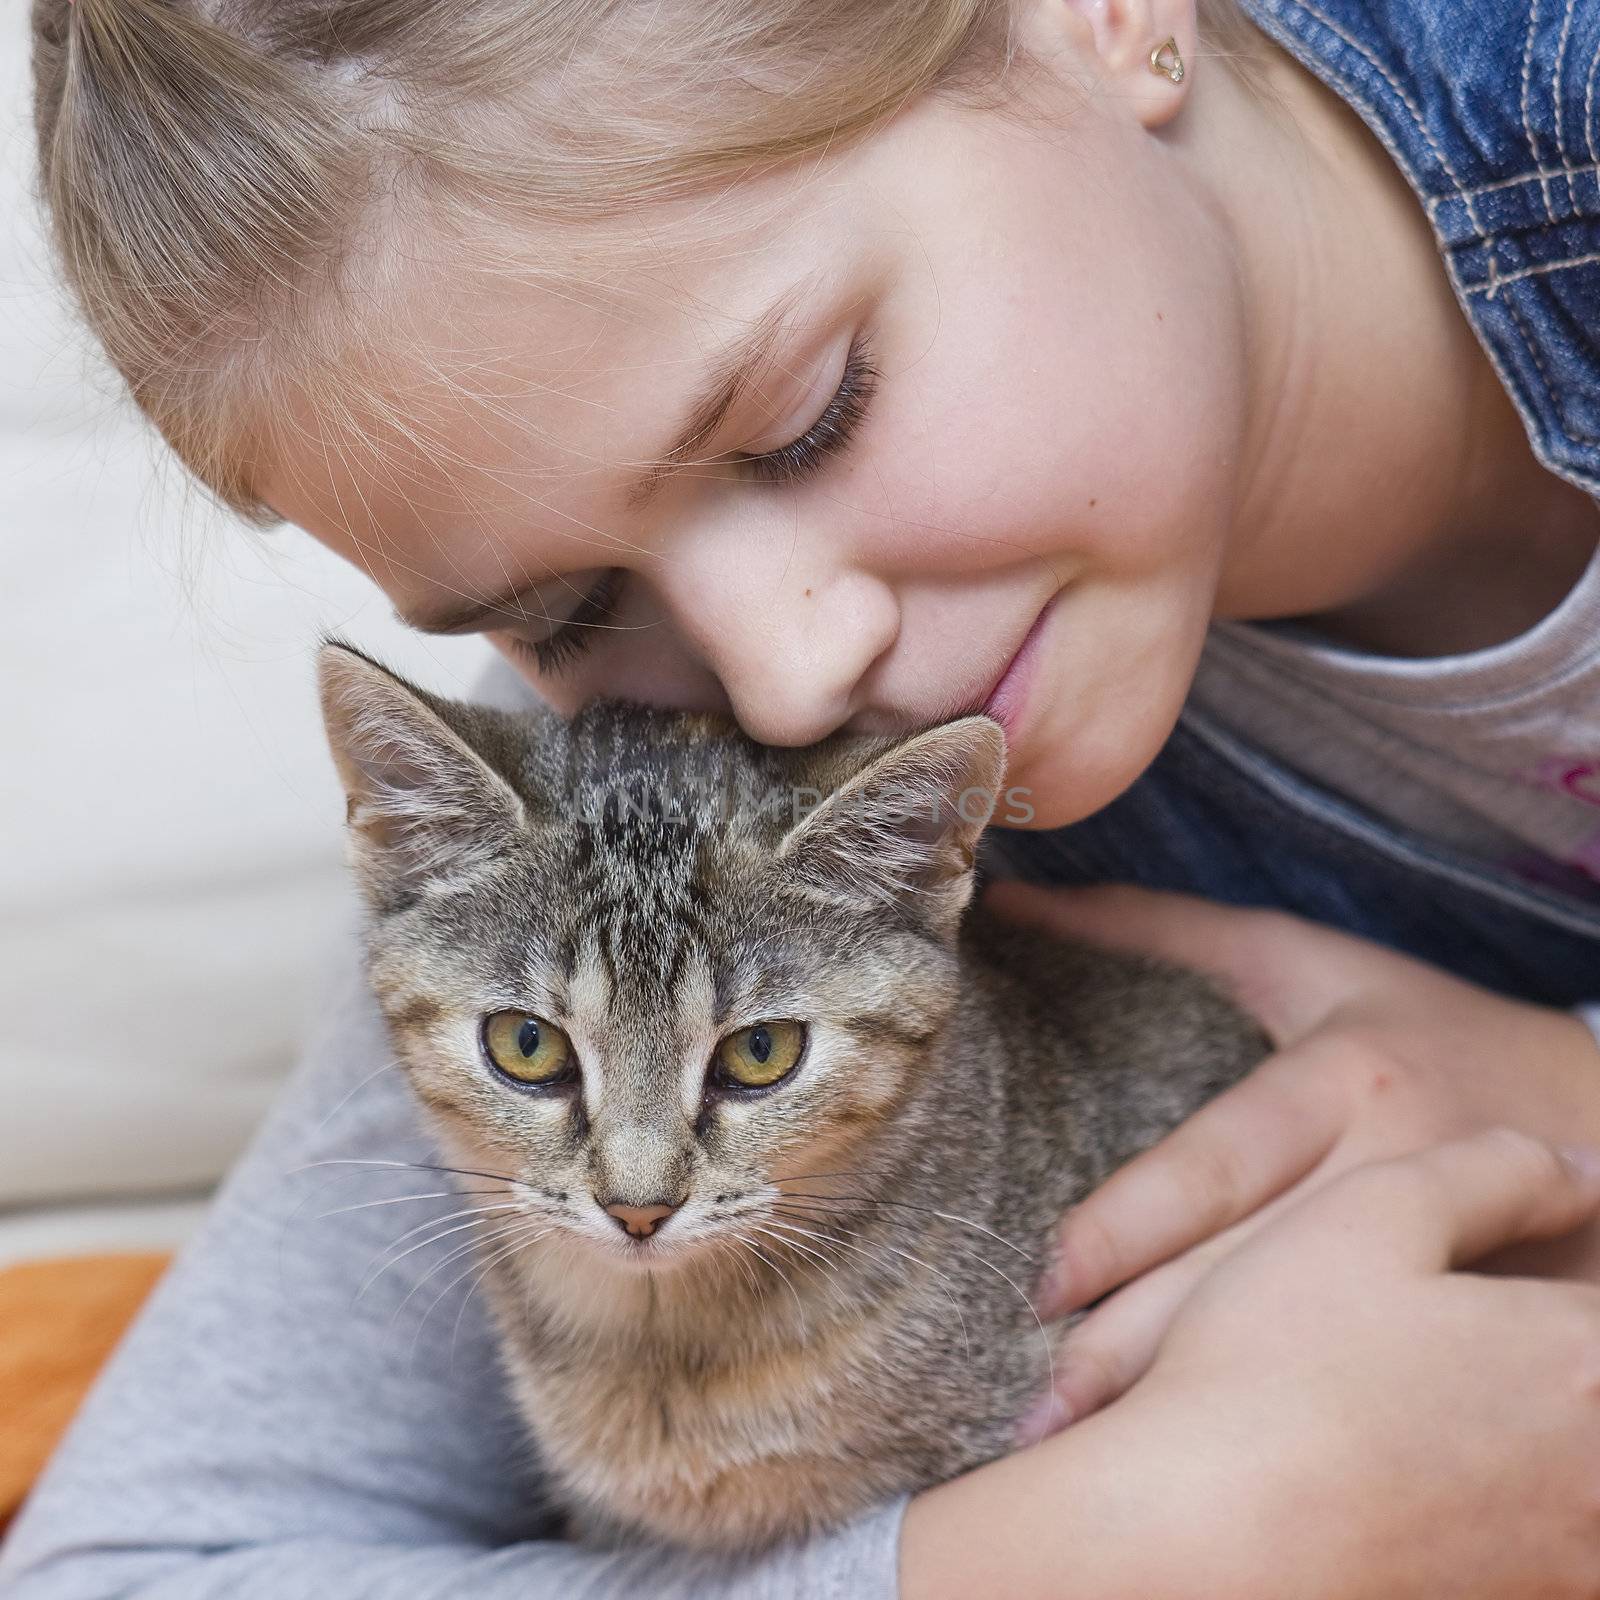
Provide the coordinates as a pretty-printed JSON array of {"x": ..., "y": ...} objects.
[
  {"x": 422, "y": 805},
  {"x": 904, "y": 830}
]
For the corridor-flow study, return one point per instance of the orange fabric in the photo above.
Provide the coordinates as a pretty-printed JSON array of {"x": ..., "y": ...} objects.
[{"x": 59, "y": 1320}]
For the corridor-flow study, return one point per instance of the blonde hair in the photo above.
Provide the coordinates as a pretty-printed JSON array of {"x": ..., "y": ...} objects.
[{"x": 221, "y": 184}]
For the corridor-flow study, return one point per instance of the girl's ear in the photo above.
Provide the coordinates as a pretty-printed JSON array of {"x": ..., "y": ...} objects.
[{"x": 1138, "y": 54}]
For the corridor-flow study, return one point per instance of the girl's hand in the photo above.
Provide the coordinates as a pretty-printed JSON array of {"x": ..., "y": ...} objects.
[
  {"x": 1333, "y": 1413},
  {"x": 1377, "y": 1055}
]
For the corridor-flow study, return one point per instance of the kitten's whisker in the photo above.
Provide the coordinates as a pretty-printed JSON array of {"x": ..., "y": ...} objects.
[
  {"x": 828, "y": 1219},
  {"x": 808, "y": 1251},
  {"x": 945, "y": 1280},
  {"x": 1044, "y": 1334},
  {"x": 522, "y": 1232},
  {"x": 519, "y": 1242},
  {"x": 745, "y": 1244},
  {"x": 806, "y": 1177},
  {"x": 439, "y": 1222},
  {"x": 521, "y": 1238},
  {"x": 911, "y": 1205},
  {"x": 409, "y": 1166},
  {"x": 423, "y": 1244},
  {"x": 749, "y": 1273},
  {"x": 790, "y": 1226},
  {"x": 400, "y": 1199},
  {"x": 842, "y": 1244},
  {"x": 721, "y": 1249},
  {"x": 799, "y": 1303},
  {"x": 944, "y": 1286},
  {"x": 440, "y": 1265}
]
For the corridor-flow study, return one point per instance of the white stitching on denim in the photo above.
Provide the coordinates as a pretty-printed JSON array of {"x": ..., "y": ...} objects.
[
  {"x": 1527, "y": 109},
  {"x": 1568, "y": 172},
  {"x": 1558, "y": 91},
  {"x": 1532, "y": 345},
  {"x": 1422, "y": 129},
  {"x": 1491, "y": 289},
  {"x": 1588, "y": 107},
  {"x": 1539, "y": 271}
]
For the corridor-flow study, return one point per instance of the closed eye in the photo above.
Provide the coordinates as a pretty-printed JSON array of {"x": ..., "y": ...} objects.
[
  {"x": 560, "y": 648},
  {"x": 828, "y": 437},
  {"x": 831, "y": 433}
]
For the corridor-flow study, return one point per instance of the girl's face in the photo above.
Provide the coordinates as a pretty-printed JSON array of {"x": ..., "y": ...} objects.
[{"x": 988, "y": 456}]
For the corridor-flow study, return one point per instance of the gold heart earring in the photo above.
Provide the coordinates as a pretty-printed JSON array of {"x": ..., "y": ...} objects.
[{"x": 1166, "y": 61}]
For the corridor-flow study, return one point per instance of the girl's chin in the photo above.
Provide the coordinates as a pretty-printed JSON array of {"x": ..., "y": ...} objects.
[{"x": 1058, "y": 788}]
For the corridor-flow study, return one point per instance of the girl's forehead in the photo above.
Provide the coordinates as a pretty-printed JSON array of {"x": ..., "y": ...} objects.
[
  {"x": 507, "y": 398},
  {"x": 515, "y": 412},
  {"x": 527, "y": 362}
]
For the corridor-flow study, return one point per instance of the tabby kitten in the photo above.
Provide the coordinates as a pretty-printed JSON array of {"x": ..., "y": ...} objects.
[{"x": 786, "y": 1130}]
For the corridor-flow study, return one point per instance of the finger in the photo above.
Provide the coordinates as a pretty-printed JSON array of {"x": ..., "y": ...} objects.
[
  {"x": 1284, "y": 971},
  {"x": 1115, "y": 1344},
  {"x": 1574, "y": 1256},
  {"x": 1232, "y": 1156},
  {"x": 1112, "y": 1348},
  {"x": 1446, "y": 1206}
]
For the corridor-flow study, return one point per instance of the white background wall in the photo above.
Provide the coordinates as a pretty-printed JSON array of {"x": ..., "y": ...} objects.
[{"x": 170, "y": 864}]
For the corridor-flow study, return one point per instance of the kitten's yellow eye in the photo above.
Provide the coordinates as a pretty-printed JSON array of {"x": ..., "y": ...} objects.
[
  {"x": 528, "y": 1048},
  {"x": 759, "y": 1055}
]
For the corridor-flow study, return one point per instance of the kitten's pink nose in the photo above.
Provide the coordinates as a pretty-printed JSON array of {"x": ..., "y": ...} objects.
[{"x": 640, "y": 1221}]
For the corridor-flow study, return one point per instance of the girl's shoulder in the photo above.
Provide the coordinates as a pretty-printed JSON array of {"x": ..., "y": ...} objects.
[{"x": 1490, "y": 111}]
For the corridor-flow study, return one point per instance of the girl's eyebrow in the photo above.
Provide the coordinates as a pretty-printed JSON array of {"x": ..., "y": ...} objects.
[{"x": 731, "y": 373}]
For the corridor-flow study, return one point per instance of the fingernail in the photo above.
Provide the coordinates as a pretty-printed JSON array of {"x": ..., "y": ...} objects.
[
  {"x": 1584, "y": 1159},
  {"x": 1054, "y": 1293},
  {"x": 1051, "y": 1295},
  {"x": 1048, "y": 1415}
]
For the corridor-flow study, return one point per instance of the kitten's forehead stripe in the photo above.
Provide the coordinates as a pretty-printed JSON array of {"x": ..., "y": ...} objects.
[{"x": 566, "y": 961}]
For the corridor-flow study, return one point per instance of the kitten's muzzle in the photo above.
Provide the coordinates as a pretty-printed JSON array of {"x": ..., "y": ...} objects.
[{"x": 640, "y": 1222}]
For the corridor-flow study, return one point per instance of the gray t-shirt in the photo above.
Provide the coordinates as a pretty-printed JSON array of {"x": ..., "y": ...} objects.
[
  {"x": 286, "y": 1422},
  {"x": 1496, "y": 752}
]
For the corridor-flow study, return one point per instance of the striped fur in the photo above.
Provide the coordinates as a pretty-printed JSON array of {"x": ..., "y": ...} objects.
[{"x": 837, "y": 1311}]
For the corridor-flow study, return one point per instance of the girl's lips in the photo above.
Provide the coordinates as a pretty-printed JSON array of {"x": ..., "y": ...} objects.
[{"x": 1008, "y": 696}]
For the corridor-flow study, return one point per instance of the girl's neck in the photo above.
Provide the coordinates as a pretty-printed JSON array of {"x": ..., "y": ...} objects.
[
  {"x": 1391, "y": 496},
  {"x": 1510, "y": 556}
]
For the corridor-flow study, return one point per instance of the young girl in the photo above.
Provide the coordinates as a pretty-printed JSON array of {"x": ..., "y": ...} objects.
[{"x": 1218, "y": 406}]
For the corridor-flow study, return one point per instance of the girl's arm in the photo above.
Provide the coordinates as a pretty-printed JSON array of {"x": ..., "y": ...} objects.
[{"x": 265, "y": 1434}]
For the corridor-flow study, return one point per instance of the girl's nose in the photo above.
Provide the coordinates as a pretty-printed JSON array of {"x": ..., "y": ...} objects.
[{"x": 790, "y": 653}]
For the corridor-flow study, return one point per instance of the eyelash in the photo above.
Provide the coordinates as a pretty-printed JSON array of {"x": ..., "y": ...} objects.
[
  {"x": 827, "y": 437},
  {"x": 557, "y": 652},
  {"x": 831, "y": 433}
]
